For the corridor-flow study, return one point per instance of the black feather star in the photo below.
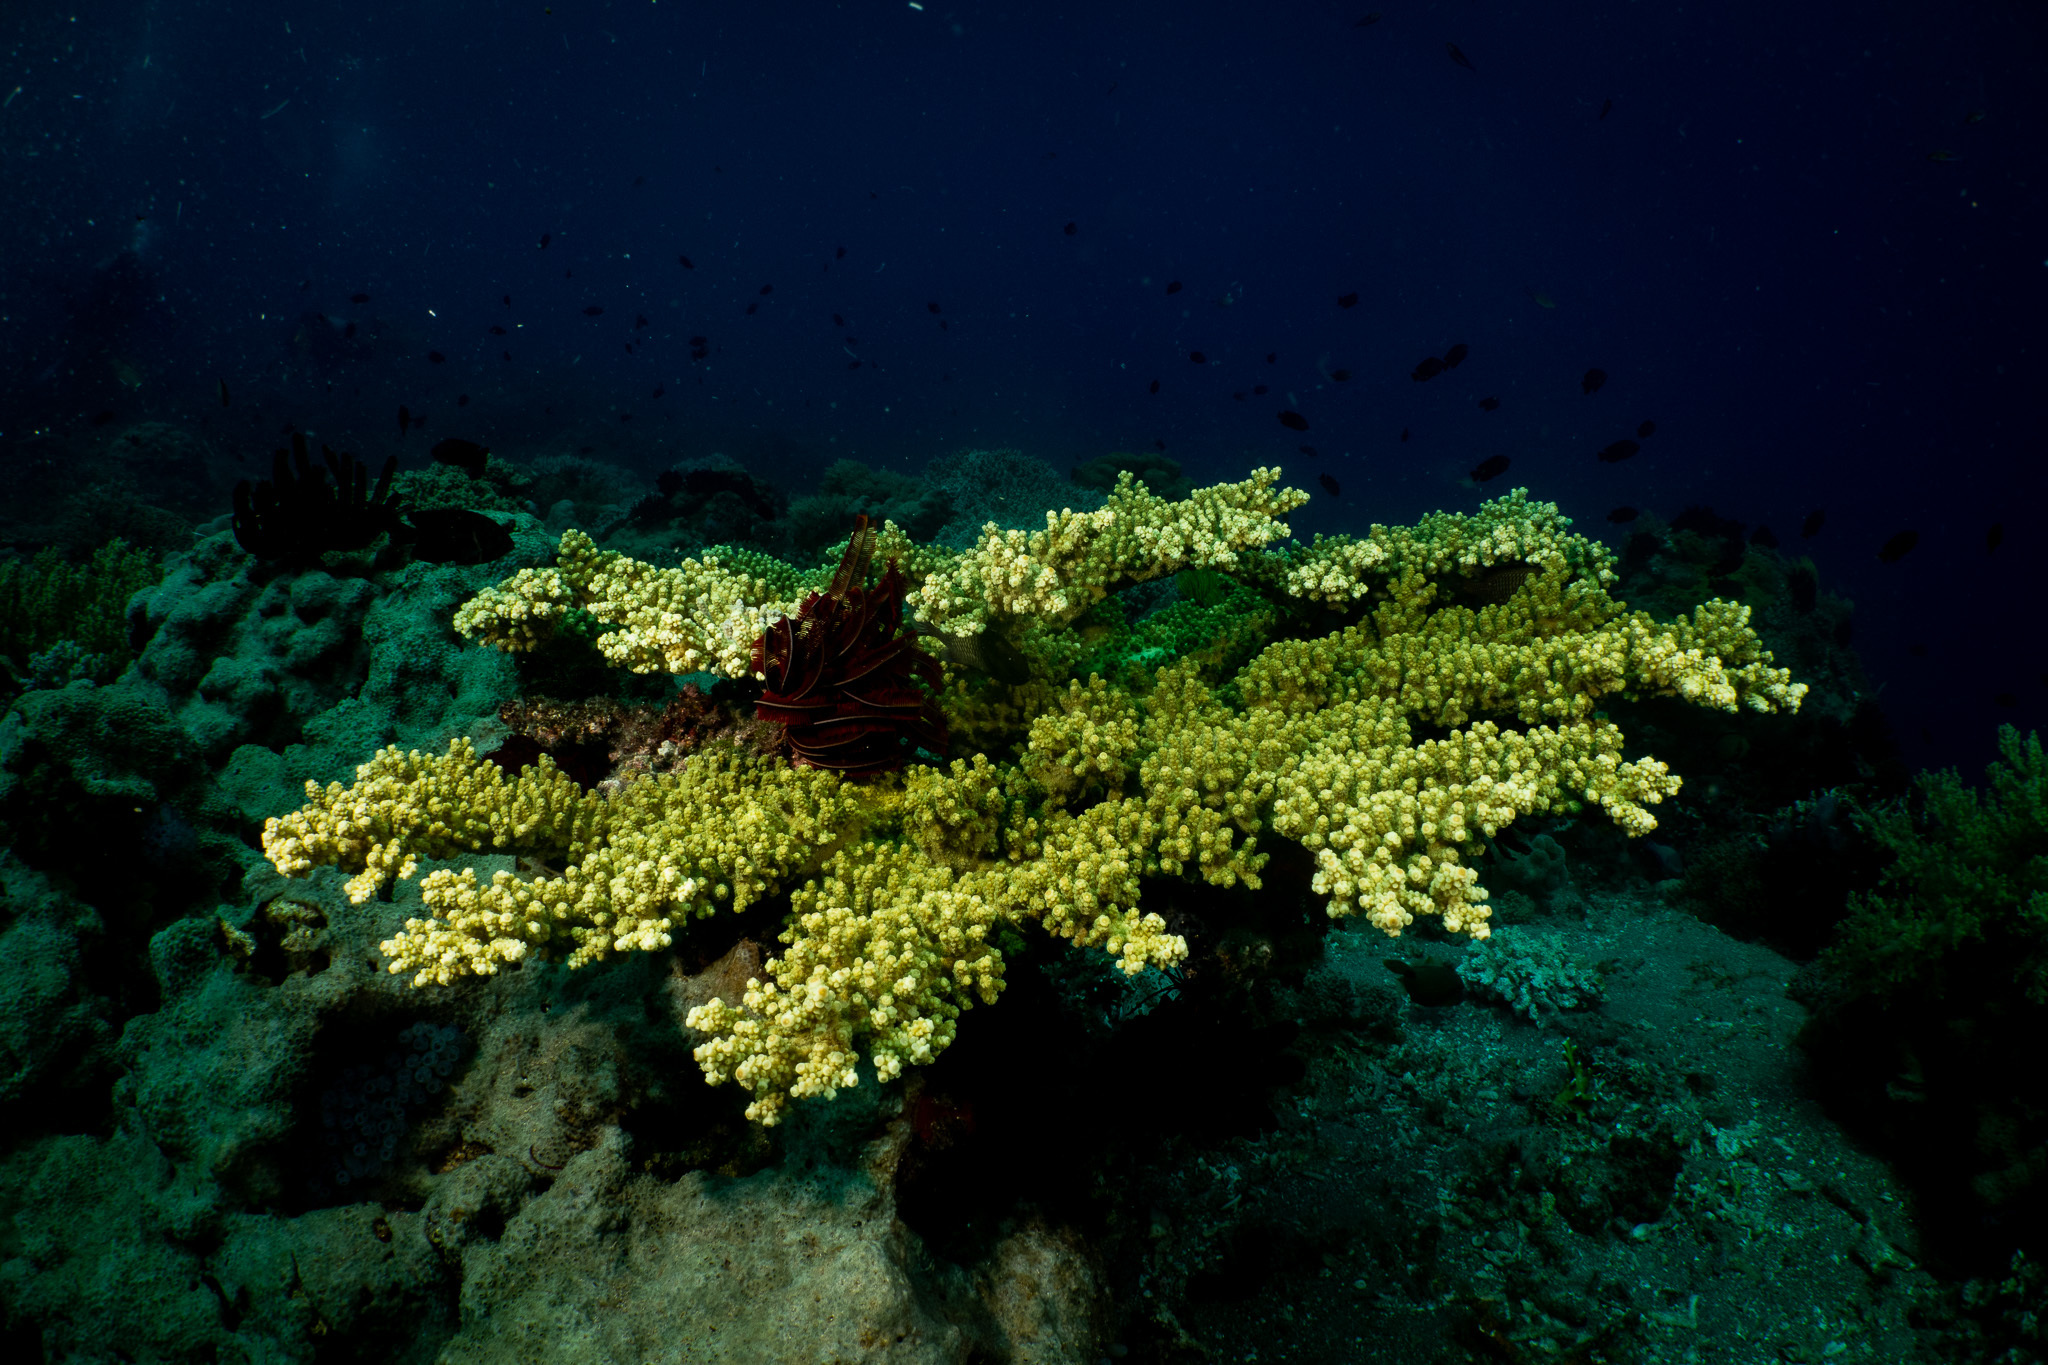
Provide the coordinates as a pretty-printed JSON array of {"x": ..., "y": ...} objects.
[{"x": 296, "y": 515}]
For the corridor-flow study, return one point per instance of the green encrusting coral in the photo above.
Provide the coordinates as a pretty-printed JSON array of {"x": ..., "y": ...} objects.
[{"x": 1279, "y": 698}]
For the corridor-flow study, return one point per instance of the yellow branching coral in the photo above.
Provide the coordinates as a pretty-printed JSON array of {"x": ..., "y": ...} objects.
[
  {"x": 1494, "y": 632},
  {"x": 699, "y": 615},
  {"x": 1087, "y": 743},
  {"x": 1060, "y": 572},
  {"x": 729, "y": 829},
  {"x": 885, "y": 947}
]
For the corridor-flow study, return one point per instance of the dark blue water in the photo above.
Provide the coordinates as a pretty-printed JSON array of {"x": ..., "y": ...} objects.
[{"x": 1753, "y": 240}]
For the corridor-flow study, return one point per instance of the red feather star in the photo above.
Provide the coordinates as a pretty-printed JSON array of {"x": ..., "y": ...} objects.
[{"x": 844, "y": 678}]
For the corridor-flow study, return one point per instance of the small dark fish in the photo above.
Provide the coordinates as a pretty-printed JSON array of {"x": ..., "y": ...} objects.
[
  {"x": 1329, "y": 485},
  {"x": 1198, "y": 358},
  {"x": 223, "y": 392},
  {"x": 766, "y": 290},
  {"x": 686, "y": 263},
  {"x": 545, "y": 238},
  {"x": 659, "y": 391},
  {"x": 625, "y": 417},
  {"x": 100, "y": 419},
  {"x": 1810, "y": 528},
  {"x": 1460, "y": 58},
  {"x": 1490, "y": 468},
  {"x": 358, "y": 298},
  {"x": 1239, "y": 395},
  {"x": 1993, "y": 538},
  {"x": 1404, "y": 433},
  {"x": 1340, "y": 375},
  {"x": 639, "y": 321},
  {"x": 508, "y": 300},
  {"x": 629, "y": 348},
  {"x": 1488, "y": 404},
  {"x": 1592, "y": 381},
  {"x": 839, "y": 254},
  {"x": 1764, "y": 536},
  {"x": 1155, "y": 387},
  {"x": 2005, "y": 700},
  {"x": 1309, "y": 451},
  {"x": 1618, "y": 452},
  {"x": 1158, "y": 444},
  {"x": 1646, "y": 431},
  {"x": 853, "y": 364},
  {"x": 853, "y": 341},
  {"x": 1070, "y": 229},
  {"x": 349, "y": 332},
  {"x": 932, "y": 308},
  {"x": 1429, "y": 369},
  {"x": 496, "y": 330},
  {"x": 594, "y": 310},
  {"x": 404, "y": 419},
  {"x": 1368, "y": 21},
  {"x": 838, "y": 321},
  {"x": 456, "y": 535},
  {"x": 466, "y": 455},
  {"x": 753, "y": 308},
  {"x": 461, "y": 400},
  {"x": 1898, "y": 547},
  {"x": 1455, "y": 357},
  {"x": 1293, "y": 421},
  {"x": 1348, "y": 300},
  {"x": 1259, "y": 390},
  {"x": 506, "y": 354},
  {"x": 700, "y": 341},
  {"x": 1622, "y": 516},
  {"x": 698, "y": 353},
  {"x": 435, "y": 357},
  {"x": 1605, "y": 106},
  {"x": 1272, "y": 356},
  {"x": 1173, "y": 287},
  {"x": 638, "y": 181},
  {"x": 945, "y": 326}
]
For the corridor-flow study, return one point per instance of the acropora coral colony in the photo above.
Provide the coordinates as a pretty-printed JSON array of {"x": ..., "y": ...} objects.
[{"x": 1242, "y": 722}]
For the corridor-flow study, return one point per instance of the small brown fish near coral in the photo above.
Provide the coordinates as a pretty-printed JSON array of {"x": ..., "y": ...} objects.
[
  {"x": 1329, "y": 485},
  {"x": 1460, "y": 58},
  {"x": 1592, "y": 382},
  {"x": 1488, "y": 404},
  {"x": 464, "y": 455},
  {"x": 1898, "y": 547},
  {"x": 1621, "y": 516},
  {"x": 1619, "y": 451},
  {"x": 989, "y": 653},
  {"x": 1490, "y": 468}
]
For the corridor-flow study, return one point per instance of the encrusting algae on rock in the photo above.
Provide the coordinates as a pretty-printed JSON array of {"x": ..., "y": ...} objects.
[{"x": 1064, "y": 793}]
